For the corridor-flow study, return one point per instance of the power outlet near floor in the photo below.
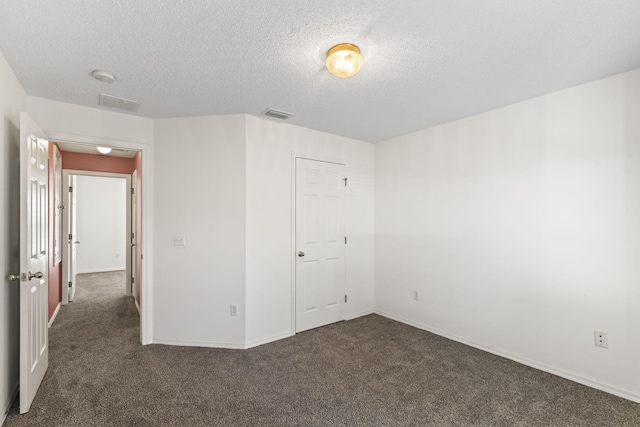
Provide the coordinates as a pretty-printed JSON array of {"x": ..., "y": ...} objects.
[
  {"x": 416, "y": 295},
  {"x": 600, "y": 339},
  {"x": 234, "y": 309}
]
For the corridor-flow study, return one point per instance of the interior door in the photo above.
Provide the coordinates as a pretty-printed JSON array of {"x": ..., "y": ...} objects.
[
  {"x": 73, "y": 241},
  {"x": 34, "y": 292},
  {"x": 134, "y": 221},
  {"x": 320, "y": 243}
]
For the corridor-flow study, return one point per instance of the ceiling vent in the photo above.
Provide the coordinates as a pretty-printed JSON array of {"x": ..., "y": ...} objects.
[
  {"x": 282, "y": 115},
  {"x": 119, "y": 103}
]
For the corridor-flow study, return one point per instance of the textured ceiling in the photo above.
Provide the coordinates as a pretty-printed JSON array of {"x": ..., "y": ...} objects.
[{"x": 426, "y": 62}]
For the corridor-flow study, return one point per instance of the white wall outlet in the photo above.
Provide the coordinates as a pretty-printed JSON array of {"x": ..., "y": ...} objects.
[
  {"x": 600, "y": 339},
  {"x": 234, "y": 309},
  {"x": 416, "y": 295},
  {"x": 179, "y": 240}
]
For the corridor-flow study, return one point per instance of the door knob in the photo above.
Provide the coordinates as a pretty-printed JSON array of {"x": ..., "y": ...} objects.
[
  {"x": 76, "y": 242},
  {"x": 13, "y": 277},
  {"x": 300, "y": 254},
  {"x": 37, "y": 275}
]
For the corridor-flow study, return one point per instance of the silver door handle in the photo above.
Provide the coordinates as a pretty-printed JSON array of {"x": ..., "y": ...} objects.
[
  {"x": 300, "y": 254},
  {"x": 13, "y": 277},
  {"x": 76, "y": 242},
  {"x": 37, "y": 275}
]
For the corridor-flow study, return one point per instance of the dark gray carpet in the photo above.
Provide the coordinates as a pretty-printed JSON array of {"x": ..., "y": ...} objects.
[{"x": 370, "y": 371}]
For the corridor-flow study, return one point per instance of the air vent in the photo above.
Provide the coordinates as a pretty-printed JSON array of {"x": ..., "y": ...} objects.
[
  {"x": 119, "y": 103},
  {"x": 282, "y": 115}
]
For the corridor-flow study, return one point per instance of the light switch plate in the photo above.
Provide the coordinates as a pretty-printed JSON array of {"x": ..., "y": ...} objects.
[{"x": 179, "y": 240}]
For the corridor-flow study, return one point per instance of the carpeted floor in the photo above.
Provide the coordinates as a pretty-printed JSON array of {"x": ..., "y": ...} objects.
[{"x": 371, "y": 371}]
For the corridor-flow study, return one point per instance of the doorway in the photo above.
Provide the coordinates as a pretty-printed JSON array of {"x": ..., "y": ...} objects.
[{"x": 100, "y": 215}]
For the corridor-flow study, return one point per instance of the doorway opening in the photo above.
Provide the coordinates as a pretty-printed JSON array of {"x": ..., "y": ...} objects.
[{"x": 99, "y": 226}]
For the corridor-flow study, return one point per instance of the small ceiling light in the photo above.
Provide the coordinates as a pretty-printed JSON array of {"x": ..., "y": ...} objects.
[
  {"x": 104, "y": 150},
  {"x": 103, "y": 76},
  {"x": 344, "y": 60}
]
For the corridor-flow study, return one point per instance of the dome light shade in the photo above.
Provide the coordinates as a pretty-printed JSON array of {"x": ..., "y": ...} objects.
[
  {"x": 104, "y": 150},
  {"x": 344, "y": 60}
]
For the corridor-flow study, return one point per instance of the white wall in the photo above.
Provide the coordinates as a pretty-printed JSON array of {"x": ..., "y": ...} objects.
[
  {"x": 13, "y": 100},
  {"x": 269, "y": 222},
  {"x": 101, "y": 224},
  {"x": 520, "y": 227},
  {"x": 200, "y": 192},
  {"x": 83, "y": 124}
]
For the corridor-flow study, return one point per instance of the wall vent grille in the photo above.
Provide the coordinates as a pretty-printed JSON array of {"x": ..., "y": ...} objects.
[
  {"x": 276, "y": 114},
  {"x": 119, "y": 103}
]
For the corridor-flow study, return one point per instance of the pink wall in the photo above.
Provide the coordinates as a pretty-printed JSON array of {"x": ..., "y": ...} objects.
[
  {"x": 97, "y": 163},
  {"x": 55, "y": 272}
]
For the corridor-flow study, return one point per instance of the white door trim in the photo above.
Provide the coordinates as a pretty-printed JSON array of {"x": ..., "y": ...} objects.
[
  {"x": 329, "y": 159},
  {"x": 146, "y": 150},
  {"x": 66, "y": 173}
]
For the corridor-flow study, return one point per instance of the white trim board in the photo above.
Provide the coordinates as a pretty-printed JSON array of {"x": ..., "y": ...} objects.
[
  {"x": 101, "y": 270},
  {"x": 206, "y": 344},
  {"x": 270, "y": 339},
  {"x": 607, "y": 388},
  {"x": 53, "y": 317},
  {"x": 7, "y": 405}
]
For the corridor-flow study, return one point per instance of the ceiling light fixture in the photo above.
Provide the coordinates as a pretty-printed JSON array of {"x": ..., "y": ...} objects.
[
  {"x": 104, "y": 150},
  {"x": 344, "y": 60},
  {"x": 103, "y": 76}
]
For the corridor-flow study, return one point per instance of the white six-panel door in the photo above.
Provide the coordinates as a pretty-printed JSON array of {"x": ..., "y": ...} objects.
[
  {"x": 34, "y": 292},
  {"x": 320, "y": 243}
]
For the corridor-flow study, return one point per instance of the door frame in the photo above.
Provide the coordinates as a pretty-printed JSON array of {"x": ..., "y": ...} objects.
[
  {"x": 146, "y": 219},
  {"x": 328, "y": 159},
  {"x": 66, "y": 173}
]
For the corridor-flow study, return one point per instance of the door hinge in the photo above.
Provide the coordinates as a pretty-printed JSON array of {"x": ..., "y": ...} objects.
[
  {"x": 345, "y": 240},
  {"x": 133, "y": 236},
  {"x": 71, "y": 284},
  {"x": 133, "y": 191},
  {"x": 141, "y": 256},
  {"x": 71, "y": 236},
  {"x": 71, "y": 189},
  {"x": 345, "y": 181},
  {"x": 133, "y": 280},
  {"x": 345, "y": 298}
]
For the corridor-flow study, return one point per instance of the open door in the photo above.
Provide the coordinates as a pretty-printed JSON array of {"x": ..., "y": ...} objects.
[
  {"x": 72, "y": 241},
  {"x": 134, "y": 222},
  {"x": 34, "y": 292}
]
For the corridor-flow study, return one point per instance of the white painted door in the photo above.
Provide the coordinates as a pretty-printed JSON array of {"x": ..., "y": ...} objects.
[
  {"x": 73, "y": 241},
  {"x": 134, "y": 220},
  {"x": 320, "y": 243},
  {"x": 34, "y": 292}
]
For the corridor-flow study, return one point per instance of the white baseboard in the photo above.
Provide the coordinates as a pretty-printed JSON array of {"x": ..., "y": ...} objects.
[
  {"x": 101, "y": 270},
  {"x": 267, "y": 340},
  {"x": 137, "y": 305},
  {"x": 53, "y": 317},
  {"x": 617, "y": 391},
  {"x": 7, "y": 405},
  {"x": 207, "y": 344},
  {"x": 361, "y": 314}
]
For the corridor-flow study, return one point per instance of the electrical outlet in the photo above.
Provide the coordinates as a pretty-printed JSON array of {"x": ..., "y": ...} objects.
[
  {"x": 179, "y": 240},
  {"x": 234, "y": 309},
  {"x": 416, "y": 295},
  {"x": 600, "y": 339}
]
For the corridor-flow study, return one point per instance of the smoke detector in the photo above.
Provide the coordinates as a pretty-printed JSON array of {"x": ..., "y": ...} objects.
[{"x": 103, "y": 76}]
